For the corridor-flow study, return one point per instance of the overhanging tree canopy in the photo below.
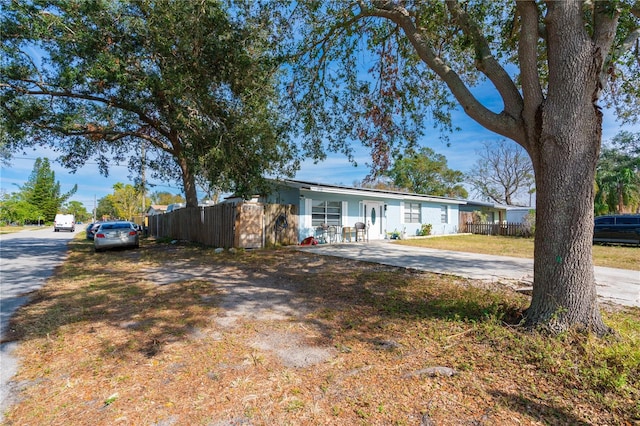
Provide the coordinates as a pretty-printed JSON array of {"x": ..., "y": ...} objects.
[
  {"x": 548, "y": 63},
  {"x": 101, "y": 79},
  {"x": 426, "y": 172}
]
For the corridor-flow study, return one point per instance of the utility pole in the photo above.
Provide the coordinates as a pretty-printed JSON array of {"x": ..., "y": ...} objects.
[
  {"x": 143, "y": 221},
  {"x": 142, "y": 154}
]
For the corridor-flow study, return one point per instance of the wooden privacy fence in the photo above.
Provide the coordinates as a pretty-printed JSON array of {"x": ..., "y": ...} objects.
[
  {"x": 243, "y": 225},
  {"x": 507, "y": 229},
  {"x": 280, "y": 224}
]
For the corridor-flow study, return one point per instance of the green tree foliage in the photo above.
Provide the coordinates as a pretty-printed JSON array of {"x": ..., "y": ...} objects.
[
  {"x": 381, "y": 71},
  {"x": 15, "y": 209},
  {"x": 77, "y": 209},
  {"x": 166, "y": 198},
  {"x": 502, "y": 173},
  {"x": 127, "y": 200},
  {"x": 426, "y": 172},
  {"x": 193, "y": 85},
  {"x": 106, "y": 209},
  {"x": 618, "y": 175},
  {"x": 43, "y": 192}
]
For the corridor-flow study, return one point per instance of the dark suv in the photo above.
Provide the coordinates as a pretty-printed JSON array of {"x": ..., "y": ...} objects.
[{"x": 622, "y": 229}]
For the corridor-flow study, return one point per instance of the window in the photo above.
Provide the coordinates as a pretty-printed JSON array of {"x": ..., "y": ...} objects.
[
  {"x": 412, "y": 213},
  {"x": 444, "y": 214},
  {"x": 607, "y": 220},
  {"x": 329, "y": 212},
  {"x": 627, "y": 220}
]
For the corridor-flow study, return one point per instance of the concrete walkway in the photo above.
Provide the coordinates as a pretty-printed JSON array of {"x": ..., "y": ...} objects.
[{"x": 617, "y": 286}]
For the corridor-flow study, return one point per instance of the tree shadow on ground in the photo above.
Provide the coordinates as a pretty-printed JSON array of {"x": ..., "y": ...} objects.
[
  {"x": 108, "y": 291},
  {"x": 140, "y": 301},
  {"x": 166, "y": 301},
  {"x": 540, "y": 411}
]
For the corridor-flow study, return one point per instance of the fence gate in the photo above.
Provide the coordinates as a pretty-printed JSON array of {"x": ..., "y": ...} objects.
[
  {"x": 249, "y": 226},
  {"x": 463, "y": 219},
  {"x": 280, "y": 224}
]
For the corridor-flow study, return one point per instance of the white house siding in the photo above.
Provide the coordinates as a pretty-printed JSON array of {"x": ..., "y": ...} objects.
[
  {"x": 390, "y": 212},
  {"x": 517, "y": 215},
  {"x": 430, "y": 213}
]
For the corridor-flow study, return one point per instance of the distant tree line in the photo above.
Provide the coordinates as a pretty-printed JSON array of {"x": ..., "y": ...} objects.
[
  {"x": 618, "y": 175},
  {"x": 39, "y": 199},
  {"x": 126, "y": 202}
]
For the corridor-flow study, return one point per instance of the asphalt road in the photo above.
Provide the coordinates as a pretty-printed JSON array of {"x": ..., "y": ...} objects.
[
  {"x": 27, "y": 259},
  {"x": 619, "y": 286}
]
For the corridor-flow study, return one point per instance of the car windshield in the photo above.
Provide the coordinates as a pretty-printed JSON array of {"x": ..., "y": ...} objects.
[{"x": 108, "y": 226}]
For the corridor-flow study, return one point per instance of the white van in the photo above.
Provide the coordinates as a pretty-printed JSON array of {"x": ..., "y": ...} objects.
[{"x": 64, "y": 222}]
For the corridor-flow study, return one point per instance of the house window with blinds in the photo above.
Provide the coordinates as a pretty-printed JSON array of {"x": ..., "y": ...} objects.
[
  {"x": 444, "y": 214},
  {"x": 411, "y": 212},
  {"x": 329, "y": 212}
]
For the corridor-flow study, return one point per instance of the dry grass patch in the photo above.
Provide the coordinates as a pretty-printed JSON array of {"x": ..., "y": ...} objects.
[
  {"x": 288, "y": 337},
  {"x": 611, "y": 256},
  {"x": 10, "y": 229}
]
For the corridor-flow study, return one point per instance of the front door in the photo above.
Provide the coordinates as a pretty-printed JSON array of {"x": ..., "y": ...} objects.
[{"x": 374, "y": 218}]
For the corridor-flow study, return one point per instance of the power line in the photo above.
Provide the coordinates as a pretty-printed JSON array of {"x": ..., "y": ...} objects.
[{"x": 85, "y": 163}]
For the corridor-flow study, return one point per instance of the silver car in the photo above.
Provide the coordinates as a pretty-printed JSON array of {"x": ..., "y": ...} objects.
[{"x": 116, "y": 234}]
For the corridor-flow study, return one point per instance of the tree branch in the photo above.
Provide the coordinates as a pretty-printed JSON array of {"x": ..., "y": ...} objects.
[
  {"x": 527, "y": 55},
  {"x": 116, "y": 103},
  {"x": 504, "y": 123},
  {"x": 606, "y": 15},
  {"x": 486, "y": 63}
]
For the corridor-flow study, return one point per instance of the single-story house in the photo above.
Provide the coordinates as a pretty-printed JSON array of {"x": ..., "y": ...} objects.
[
  {"x": 494, "y": 213},
  {"x": 383, "y": 212},
  {"x": 156, "y": 209},
  {"x": 518, "y": 214}
]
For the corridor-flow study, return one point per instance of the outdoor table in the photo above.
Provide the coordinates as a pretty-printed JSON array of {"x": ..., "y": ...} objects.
[{"x": 346, "y": 233}]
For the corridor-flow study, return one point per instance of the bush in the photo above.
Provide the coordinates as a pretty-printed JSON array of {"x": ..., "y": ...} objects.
[
  {"x": 529, "y": 222},
  {"x": 425, "y": 229}
]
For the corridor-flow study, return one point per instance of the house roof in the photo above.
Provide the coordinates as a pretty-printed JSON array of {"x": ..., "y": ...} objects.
[
  {"x": 486, "y": 204},
  {"x": 349, "y": 190},
  {"x": 497, "y": 206},
  {"x": 157, "y": 207}
]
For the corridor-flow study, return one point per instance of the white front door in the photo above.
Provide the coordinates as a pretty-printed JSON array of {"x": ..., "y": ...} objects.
[{"x": 374, "y": 218}]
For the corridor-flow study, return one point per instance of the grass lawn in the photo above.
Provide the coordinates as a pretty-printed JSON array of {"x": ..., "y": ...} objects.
[
  {"x": 623, "y": 257},
  {"x": 174, "y": 334},
  {"x": 12, "y": 229}
]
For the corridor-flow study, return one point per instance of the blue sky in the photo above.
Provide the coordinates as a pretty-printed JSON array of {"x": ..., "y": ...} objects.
[
  {"x": 336, "y": 169},
  {"x": 461, "y": 155}
]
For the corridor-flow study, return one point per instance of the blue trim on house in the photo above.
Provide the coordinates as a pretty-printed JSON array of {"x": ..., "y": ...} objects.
[{"x": 382, "y": 211}]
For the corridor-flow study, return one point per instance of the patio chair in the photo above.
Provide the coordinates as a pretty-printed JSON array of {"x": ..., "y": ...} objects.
[
  {"x": 332, "y": 234},
  {"x": 322, "y": 233},
  {"x": 361, "y": 231}
]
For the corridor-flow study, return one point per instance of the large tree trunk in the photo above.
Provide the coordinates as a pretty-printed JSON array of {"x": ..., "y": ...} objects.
[
  {"x": 188, "y": 183},
  {"x": 564, "y": 292},
  {"x": 564, "y": 159}
]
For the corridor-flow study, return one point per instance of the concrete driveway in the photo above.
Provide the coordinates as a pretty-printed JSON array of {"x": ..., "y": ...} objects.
[{"x": 617, "y": 286}]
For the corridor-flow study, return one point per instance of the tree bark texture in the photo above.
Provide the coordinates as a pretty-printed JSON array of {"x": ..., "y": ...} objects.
[
  {"x": 564, "y": 159},
  {"x": 189, "y": 183}
]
